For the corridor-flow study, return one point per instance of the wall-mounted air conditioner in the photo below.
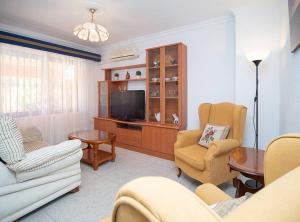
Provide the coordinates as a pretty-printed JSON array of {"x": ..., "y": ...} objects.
[{"x": 124, "y": 54}]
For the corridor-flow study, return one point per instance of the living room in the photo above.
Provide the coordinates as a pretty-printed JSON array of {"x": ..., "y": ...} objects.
[{"x": 149, "y": 111}]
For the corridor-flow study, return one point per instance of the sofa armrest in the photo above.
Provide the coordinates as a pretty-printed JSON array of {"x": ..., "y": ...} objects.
[
  {"x": 159, "y": 199},
  {"x": 211, "y": 194},
  {"x": 46, "y": 156},
  {"x": 187, "y": 138},
  {"x": 221, "y": 147}
]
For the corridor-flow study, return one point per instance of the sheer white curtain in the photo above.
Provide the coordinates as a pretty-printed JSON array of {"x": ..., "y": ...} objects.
[{"x": 56, "y": 93}]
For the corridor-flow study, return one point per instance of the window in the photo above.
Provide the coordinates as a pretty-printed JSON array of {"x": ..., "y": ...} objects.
[{"x": 21, "y": 84}]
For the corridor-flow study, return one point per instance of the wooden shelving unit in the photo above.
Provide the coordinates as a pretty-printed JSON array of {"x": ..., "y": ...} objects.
[
  {"x": 166, "y": 97},
  {"x": 170, "y": 63}
]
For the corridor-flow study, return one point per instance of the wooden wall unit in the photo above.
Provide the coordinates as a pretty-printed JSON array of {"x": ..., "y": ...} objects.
[{"x": 166, "y": 95}]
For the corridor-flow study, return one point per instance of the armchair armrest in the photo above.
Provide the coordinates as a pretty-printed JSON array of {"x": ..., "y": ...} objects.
[
  {"x": 159, "y": 199},
  {"x": 211, "y": 194},
  {"x": 187, "y": 138},
  {"x": 220, "y": 147},
  {"x": 46, "y": 156}
]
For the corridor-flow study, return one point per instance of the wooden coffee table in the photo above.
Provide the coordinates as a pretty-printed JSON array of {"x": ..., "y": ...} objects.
[
  {"x": 249, "y": 163},
  {"x": 93, "y": 138}
]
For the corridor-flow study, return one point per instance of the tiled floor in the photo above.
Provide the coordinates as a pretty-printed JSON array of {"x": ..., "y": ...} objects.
[{"x": 98, "y": 188}]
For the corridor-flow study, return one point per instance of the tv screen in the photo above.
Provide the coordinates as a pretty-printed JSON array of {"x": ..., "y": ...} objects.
[
  {"x": 294, "y": 11},
  {"x": 128, "y": 105}
]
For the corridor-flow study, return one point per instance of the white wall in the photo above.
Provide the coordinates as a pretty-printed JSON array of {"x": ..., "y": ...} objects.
[
  {"x": 257, "y": 28},
  {"x": 211, "y": 56},
  {"x": 217, "y": 66},
  {"x": 218, "y": 69},
  {"x": 290, "y": 79}
]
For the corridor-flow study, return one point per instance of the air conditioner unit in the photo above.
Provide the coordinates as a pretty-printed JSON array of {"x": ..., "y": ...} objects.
[{"x": 124, "y": 54}]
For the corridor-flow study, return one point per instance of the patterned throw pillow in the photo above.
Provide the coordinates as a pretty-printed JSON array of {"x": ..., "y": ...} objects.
[
  {"x": 11, "y": 143},
  {"x": 225, "y": 207},
  {"x": 212, "y": 133}
]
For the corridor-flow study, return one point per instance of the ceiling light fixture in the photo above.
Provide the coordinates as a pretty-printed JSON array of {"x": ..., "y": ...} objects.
[{"x": 91, "y": 31}]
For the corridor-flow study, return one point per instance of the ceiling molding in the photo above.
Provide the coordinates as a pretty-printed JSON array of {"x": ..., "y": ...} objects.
[{"x": 185, "y": 28}]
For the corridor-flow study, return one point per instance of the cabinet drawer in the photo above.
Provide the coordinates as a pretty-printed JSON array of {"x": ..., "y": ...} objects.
[{"x": 129, "y": 136}]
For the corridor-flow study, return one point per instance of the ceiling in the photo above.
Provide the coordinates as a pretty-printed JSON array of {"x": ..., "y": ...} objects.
[{"x": 124, "y": 19}]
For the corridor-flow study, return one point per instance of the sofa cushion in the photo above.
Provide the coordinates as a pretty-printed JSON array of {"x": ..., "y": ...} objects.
[
  {"x": 7, "y": 176},
  {"x": 192, "y": 155},
  {"x": 11, "y": 143},
  {"x": 212, "y": 133}
]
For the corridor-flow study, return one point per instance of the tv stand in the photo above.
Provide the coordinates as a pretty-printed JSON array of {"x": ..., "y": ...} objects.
[
  {"x": 129, "y": 126},
  {"x": 145, "y": 137}
]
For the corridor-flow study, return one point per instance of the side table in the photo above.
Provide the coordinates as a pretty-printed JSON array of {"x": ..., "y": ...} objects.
[
  {"x": 250, "y": 163},
  {"x": 94, "y": 138}
]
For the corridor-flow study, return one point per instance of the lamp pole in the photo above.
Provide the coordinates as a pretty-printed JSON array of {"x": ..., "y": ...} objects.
[{"x": 256, "y": 62}]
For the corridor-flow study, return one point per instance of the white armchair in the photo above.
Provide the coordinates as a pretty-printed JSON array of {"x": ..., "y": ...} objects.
[{"x": 43, "y": 175}]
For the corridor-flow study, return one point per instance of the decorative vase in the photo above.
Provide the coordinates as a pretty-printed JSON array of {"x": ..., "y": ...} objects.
[{"x": 127, "y": 75}]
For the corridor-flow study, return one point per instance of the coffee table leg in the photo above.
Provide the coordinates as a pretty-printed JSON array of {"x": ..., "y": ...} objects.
[
  {"x": 113, "y": 151},
  {"x": 89, "y": 154},
  {"x": 95, "y": 160}
]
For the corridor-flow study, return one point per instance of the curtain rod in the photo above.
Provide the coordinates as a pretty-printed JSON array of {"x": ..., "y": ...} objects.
[{"x": 20, "y": 40}]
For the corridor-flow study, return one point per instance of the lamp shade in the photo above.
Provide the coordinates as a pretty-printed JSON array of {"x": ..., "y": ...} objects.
[
  {"x": 91, "y": 31},
  {"x": 257, "y": 55}
]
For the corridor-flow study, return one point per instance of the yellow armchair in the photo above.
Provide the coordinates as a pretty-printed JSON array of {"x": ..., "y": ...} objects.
[
  {"x": 156, "y": 199},
  {"x": 209, "y": 165}
]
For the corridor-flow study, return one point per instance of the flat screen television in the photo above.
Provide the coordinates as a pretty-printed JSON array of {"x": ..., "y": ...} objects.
[{"x": 128, "y": 105}]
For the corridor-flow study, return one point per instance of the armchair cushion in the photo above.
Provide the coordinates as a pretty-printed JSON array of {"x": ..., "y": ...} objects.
[
  {"x": 213, "y": 133},
  {"x": 192, "y": 155},
  {"x": 11, "y": 143}
]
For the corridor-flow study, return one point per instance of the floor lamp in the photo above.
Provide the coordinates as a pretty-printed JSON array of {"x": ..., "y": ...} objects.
[
  {"x": 256, "y": 63},
  {"x": 256, "y": 58}
]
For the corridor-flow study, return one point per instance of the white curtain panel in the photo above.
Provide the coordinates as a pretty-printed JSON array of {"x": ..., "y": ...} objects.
[{"x": 56, "y": 93}]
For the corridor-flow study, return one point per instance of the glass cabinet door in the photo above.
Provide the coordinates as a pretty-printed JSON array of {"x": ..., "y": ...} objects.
[
  {"x": 154, "y": 82},
  {"x": 103, "y": 98},
  {"x": 171, "y": 85}
]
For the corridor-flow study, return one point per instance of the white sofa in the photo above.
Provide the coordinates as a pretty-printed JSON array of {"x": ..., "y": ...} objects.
[{"x": 24, "y": 191}]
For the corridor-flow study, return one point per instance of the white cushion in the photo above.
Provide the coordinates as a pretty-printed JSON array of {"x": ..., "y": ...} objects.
[
  {"x": 212, "y": 133},
  {"x": 11, "y": 143}
]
